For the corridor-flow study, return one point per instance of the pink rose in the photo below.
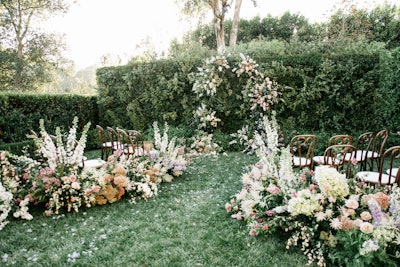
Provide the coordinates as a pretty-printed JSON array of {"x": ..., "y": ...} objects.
[
  {"x": 365, "y": 216},
  {"x": 352, "y": 203},
  {"x": 76, "y": 185},
  {"x": 366, "y": 228}
]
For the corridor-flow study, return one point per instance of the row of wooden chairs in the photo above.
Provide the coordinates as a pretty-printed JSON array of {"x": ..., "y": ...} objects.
[
  {"x": 367, "y": 150},
  {"x": 340, "y": 151},
  {"x": 130, "y": 142}
]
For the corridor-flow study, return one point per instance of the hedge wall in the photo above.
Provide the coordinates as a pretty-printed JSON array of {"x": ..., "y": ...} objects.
[
  {"x": 334, "y": 93},
  {"x": 134, "y": 96},
  {"x": 20, "y": 113},
  {"x": 348, "y": 93}
]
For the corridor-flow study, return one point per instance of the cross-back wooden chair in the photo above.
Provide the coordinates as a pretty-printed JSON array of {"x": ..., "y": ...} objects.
[
  {"x": 378, "y": 147},
  {"x": 335, "y": 156},
  {"x": 383, "y": 176},
  {"x": 363, "y": 145},
  {"x": 302, "y": 149}
]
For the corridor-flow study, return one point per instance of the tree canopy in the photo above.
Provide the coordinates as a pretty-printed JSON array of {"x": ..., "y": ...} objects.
[{"x": 28, "y": 53}]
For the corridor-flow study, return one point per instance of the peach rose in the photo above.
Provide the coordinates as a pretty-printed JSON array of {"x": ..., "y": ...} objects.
[
  {"x": 352, "y": 203},
  {"x": 366, "y": 228},
  {"x": 382, "y": 199},
  {"x": 366, "y": 216}
]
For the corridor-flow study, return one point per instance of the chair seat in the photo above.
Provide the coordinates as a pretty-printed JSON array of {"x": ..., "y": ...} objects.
[
  {"x": 319, "y": 160},
  {"x": 372, "y": 155},
  {"x": 373, "y": 178},
  {"x": 116, "y": 145},
  {"x": 92, "y": 163},
  {"x": 394, "y": 171},
  {"x": 360, "y": 155},
  {"x": 107, "y": 145},
  {"x": 300, "y": 161},
  {"x": 138, "y": 151}
]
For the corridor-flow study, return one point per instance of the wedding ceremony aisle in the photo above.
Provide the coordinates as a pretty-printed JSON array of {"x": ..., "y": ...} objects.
[{"x": 184, "y": 225}]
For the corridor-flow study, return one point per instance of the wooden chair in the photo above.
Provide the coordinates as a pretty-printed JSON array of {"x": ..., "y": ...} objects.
[
  {"x": 105, "y": 145},
  {"x": 138, "y": 140},
  {"x": 132, "y": 142},
  {"x": 302, "y": 150},
  {"x": 335, "y": 156},
  {"x": 392, "y": 155},
  {"x": 378, "y": 147},
  {"x": 340, "y": 139},
  {"x": 364, "y": 144},
  {"x": 113, "y": 138}
]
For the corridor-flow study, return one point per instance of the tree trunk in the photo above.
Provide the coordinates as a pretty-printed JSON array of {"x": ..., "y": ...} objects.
[
  {"x": 235, "y": 23},
  {"x": 219, "y": 8},
  {"x": 220, "y": 34}
]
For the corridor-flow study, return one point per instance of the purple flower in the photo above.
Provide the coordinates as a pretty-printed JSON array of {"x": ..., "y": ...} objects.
[
  {"x": 153, "y": 154},
  {"x": 376, "y": 212}
]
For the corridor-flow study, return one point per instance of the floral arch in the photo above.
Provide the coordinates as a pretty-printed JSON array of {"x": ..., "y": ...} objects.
[{"x": 232, "y": 88}]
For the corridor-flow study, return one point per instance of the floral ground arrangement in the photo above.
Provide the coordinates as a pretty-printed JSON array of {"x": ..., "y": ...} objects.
[
  {"x": 332, "y": 219},
  {"x": 57, "y": 181}
]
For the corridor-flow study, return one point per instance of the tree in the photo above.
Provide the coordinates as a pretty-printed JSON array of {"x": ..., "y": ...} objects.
[
  {"x": 219, "y": 10},
  {"x": 36, "y": 51},
  {"x": 235, "y": 23}
]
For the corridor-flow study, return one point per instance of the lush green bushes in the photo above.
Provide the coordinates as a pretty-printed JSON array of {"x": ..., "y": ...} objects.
[
  {"x": 136, "y": 95},
  {"x": 321, "y": 93},
  {"x": 21, "y": 113},
  {"x": 351, "y": 89}
]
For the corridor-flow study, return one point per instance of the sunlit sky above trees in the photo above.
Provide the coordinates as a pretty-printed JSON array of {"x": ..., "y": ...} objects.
[{"x": 94, "y": 28}]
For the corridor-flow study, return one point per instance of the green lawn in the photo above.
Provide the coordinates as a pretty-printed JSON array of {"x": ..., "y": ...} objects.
[{"x": 185, "y": 225}]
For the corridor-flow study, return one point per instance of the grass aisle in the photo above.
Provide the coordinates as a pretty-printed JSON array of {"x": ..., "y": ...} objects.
[{"x": 185, "y": 225}]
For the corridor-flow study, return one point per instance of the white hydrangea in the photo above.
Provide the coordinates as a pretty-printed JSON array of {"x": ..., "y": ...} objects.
[
  {"x": 331, "y": 182},
  {"x": 5, "y": 205}
]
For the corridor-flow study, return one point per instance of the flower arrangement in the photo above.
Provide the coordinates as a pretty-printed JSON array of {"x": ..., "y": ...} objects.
[
  {"x": 168, "y": 158},
  {"x": 258, "y": 92},
  {"x": 331, "y": 218},
  {"x": 203, "y": 144},
  {"x": 59, "y": 181},
  {"x": 5, "y": 205},
  {"x": 16, "y": 175}
]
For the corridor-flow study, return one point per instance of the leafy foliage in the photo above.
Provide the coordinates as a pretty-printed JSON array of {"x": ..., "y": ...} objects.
[{"x": 21, "y": 113}]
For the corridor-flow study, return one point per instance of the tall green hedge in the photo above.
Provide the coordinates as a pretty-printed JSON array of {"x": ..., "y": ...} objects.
[
  {"x": 335, "y": 93},
  {"x": 20, "y": 113},
  {"x": 136, "y": 95},
  {"x": 321, "y": 92}
]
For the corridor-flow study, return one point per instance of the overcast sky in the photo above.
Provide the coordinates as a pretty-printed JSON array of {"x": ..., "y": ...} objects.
[{"x": 94, "y": 28}]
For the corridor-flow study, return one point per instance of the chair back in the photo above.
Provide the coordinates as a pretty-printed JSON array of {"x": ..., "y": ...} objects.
[
  {"x": 123, "y": 140},
  {"x": 302, "y": 149},
  {"x": 138, "y": 141},
  {"x": 101, "y": 134},
  {"x": 131, "y": 141},
  {"x": 364, "y": 144},
  {"x": 379, "y": 142},
  {"x": 114, "y": 138},
  {"x": 335, "y": 156},
  {"x": 340, "y": 139},
  {"x": 378, "y": 147},
  {"x": 390, "y": 159}
]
